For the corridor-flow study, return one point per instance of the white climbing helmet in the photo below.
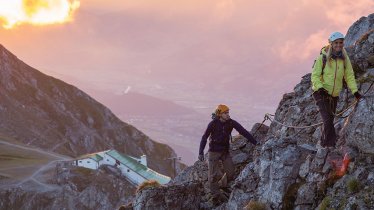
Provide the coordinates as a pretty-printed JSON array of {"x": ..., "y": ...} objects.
[{"x": 336, "y": 35}]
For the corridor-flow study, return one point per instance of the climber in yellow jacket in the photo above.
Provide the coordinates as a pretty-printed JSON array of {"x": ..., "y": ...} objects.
[{"x": 329, "y": 70}]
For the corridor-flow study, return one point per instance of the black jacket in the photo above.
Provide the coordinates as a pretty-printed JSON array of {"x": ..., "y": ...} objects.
[{"x": 220, "y": 133}]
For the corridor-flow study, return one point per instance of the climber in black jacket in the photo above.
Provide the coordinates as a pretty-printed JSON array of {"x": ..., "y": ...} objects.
[{"x": 219, "y": 130}]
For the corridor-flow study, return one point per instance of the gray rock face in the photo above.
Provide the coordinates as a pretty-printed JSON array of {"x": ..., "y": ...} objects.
[
  {"x": 198, "y": 172},
  {"x": 359, "y": 28},
  {"x": 354, "y": 190},
  {"x": 360, "y": 128},
  {"x": 297, "y": 109},
  {"x": 306, "y": 195},
  {"x": 71, "y": 188},
  {"x": 363, "y": 52},
  {"x": 244, "y": 187},
  {"x": 278, "y": 168},
  {"x": 305, "y": 167},
  {"x": 185, "y": 196}
]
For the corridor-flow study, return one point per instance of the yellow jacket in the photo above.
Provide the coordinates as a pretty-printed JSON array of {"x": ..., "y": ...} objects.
[{"x": 333, "y": 75}]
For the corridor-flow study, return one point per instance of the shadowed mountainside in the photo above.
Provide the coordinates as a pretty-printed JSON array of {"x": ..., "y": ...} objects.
[{"x": 45, "y": 112}]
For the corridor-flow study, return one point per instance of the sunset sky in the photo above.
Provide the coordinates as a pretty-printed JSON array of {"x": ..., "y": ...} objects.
[{"x": 196, "y": 53}]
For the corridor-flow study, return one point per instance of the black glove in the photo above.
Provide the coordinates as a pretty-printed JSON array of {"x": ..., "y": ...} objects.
[
  {"x": 201, "y": 158},
  {"x": 322, "y": 91},
  {"x": 357, "y": 95}
]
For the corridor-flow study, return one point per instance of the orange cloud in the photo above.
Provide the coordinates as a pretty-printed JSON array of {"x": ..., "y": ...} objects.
[
  {"x": 224, "y": 9},
  {"x": 36, "y": 12}
]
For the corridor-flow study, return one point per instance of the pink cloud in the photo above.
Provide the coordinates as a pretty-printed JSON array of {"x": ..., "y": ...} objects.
[
  {"x": 200, "y": 41},
  {"x": 345, "y": 13},
  {"x": 301, "y": 49}
]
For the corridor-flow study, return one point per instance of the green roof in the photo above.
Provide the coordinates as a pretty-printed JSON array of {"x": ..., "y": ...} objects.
[
  {"x": 97, "y": 157},
  {"x": 139, "y": 168}
]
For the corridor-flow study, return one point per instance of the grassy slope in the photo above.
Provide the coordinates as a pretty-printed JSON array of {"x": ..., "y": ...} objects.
[{"x": 17, "y": 163}]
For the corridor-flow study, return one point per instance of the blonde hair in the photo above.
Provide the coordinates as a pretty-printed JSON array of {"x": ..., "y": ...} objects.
[{"x": 329, "y": 53}]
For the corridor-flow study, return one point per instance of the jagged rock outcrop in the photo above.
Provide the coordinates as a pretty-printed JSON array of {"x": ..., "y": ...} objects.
[
  {"x": 194, "y": 178},
  {"x": 288, "y": 171},
  {"x": 71, "y": 188},
  {"x": 189, "y": 197},
  {"x": 358, "y": 29},
  {"x": 360, "y": 44},
  {"x": 279, "y": 166},
  {"x": 363, "y": 53},
  {"x": 359, "y": 131}
]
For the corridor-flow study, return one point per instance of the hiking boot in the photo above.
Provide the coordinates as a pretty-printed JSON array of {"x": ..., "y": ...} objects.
[{"x": 226, "y": 190}]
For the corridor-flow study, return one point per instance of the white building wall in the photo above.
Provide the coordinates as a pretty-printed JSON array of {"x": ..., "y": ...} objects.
[
  {"x": 130, "y": 174},
  {"x": 143, "y": 160},
  {"x": 88, "y": 163},
  {"x": 109, "y": 160}
]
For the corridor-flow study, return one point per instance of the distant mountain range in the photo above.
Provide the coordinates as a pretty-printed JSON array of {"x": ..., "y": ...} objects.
[{"x": 138, "y": 104}]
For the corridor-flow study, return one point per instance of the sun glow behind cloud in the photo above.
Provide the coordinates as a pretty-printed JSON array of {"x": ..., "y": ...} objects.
[{"x": 36, "y": 12}]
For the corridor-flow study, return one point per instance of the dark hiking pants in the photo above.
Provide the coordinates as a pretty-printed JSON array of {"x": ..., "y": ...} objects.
[
  {"x": 327, "y": 107},
  {"x": 214, "y": 167}
]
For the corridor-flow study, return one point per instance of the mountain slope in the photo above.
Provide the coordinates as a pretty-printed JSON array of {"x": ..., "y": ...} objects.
[{"x": 45, "y": 112}]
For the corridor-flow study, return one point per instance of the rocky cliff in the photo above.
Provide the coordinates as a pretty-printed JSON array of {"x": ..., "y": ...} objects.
[
  {"x": 67, "y": 187},
  {"x": 287, "y": 171}
]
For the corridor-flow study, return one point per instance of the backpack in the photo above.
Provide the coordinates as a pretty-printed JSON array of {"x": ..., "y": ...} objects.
[
  {"x": 215, "y": 117},
  {"x": 324, "y": 61}
]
